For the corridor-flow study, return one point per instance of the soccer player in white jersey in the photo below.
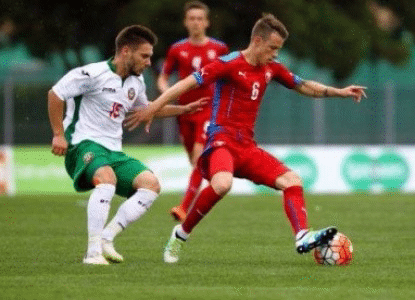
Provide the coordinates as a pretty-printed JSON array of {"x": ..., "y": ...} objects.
[{"x": 98, "y": 96}]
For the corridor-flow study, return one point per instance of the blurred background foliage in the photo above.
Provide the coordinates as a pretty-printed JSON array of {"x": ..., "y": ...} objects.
[
  {"x": 337, "y": 42},
  {"x": 335, "y": 34}
]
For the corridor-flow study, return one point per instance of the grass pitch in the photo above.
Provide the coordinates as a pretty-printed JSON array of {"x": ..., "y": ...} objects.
[{"x": 242, "y": 250}]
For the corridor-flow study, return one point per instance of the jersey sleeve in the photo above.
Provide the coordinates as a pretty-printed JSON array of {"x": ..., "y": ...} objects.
[
  {"x": 75, "y": 83},
  {"x": 141, "y": 100},
  {"x": 211, "y": 72},
  {"x": 170, "y": 62},
  {"x": 224, "y": 50},
  {"x": 284, "y": 76}
]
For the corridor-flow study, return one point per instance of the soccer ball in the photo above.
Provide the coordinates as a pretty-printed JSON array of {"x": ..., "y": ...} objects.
[{"x": 339, "y": 251}]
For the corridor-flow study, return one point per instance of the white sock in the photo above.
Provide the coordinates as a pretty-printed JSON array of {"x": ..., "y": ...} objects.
[
  {"x": 181, "y": 233},
  {"x": 131, "y": 210},
  {"x": 300, "y": 234},
  {"x": 97, "y": 213}
]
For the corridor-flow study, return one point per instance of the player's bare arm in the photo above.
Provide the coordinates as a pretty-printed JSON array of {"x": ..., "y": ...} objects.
[
  {"x": 147, "y": 115},
  {"x": 163, "y": 82},
  {"x": 317, "y": 90},
  {"x": 175, "y": 110},
  {"x": 56, "y": 108}
]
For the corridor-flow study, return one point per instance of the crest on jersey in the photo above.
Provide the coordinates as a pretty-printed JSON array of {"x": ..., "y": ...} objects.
[
  {"x": 131, "y": 94},
  {"x": 88, "y": 157},
  {"x": 184, "y": 54},
  {"x": 211, "y": 54},
  {"x": 268, "y": 76}
]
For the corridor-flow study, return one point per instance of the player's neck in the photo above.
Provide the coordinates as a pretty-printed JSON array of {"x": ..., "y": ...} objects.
[
  {"x": 119, "y": 67},
  {"x": 200, "y": 39},
  {"x": 250, "y": 56}
]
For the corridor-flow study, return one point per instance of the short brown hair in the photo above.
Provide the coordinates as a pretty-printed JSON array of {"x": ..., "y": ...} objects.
[
  {"x": 267, "y": 25},
  {"x": 196, "y": 4},
  {"x": 133, "y": 36}
]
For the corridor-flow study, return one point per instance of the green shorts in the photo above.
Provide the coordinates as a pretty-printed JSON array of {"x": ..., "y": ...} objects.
[{"x": 83, "y": 159}]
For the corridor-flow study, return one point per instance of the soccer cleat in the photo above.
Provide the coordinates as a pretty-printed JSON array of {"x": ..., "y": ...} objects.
[
  {"x": 173, "y": 247},
  {"x": 95, "y": 260},
  {"x": 109, "y": 252},
  {"x": 178, "y": 213},
  {"x": 312, "y": 239}
]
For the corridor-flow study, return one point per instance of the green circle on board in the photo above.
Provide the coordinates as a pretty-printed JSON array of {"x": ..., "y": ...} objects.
[
  {"x": 357, "y": 171},
  {"x": 300, "y": 163},
  {"x": 391, "y": 170},
  {"x": 304, "y": 166}
]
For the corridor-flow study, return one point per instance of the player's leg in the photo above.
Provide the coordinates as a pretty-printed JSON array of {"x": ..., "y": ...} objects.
[
  {"x": 142, "y": 190},
  {"x": 294, "y": 205},
  {"x": 88, "y": 165},
  {"x": 220, "y": 171},
  {"x": 263, "y": 168},
  {"x": 193, "y": 145},
  {"x": 98, "y": 208},
  {"x": 195, "y": 181},
  {"x": 293, "y": 197}
]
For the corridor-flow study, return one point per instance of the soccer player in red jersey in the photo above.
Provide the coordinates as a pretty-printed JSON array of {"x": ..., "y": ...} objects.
[
  {"x": 240, "y": 79},
  {"x": 187, "y": 56}
]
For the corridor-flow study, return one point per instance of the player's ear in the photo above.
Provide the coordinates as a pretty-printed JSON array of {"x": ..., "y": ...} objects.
[
  {"x": 256, "y": 39},
  {"x": 124, "y": 50}
]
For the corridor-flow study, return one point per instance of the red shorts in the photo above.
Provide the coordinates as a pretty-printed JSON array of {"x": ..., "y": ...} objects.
[
  {"x": 191, "y": 132},
  {"x": 243, "y": 159}
]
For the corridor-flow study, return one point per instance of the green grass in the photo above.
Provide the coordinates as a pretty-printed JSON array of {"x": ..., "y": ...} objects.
[{"x": 242, "y": 250}]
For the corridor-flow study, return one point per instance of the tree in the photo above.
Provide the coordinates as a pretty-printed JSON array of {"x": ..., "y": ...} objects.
[{"x": 336, "y": 34}]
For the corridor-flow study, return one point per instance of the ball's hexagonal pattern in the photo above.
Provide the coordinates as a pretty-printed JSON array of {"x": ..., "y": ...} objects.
[{"x": 339, "y": 251}]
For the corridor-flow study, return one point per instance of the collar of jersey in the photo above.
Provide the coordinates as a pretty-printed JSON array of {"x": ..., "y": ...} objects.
[{"x": 111, "y": 64}]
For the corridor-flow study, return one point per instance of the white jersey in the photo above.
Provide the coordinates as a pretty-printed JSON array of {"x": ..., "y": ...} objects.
[{"x": 97, "y": 101}]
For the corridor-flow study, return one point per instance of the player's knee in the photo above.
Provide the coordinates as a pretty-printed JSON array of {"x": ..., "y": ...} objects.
[
  {"x": 154, "y": 185},
  {"x": 287, "y": 180},
  {"x": 104, "y": 175},
  {"x": 194, "y": 159},
  {"x": 147, "y": 180},
  {"x": 295, "y": 180},
  {"x": 194, "y": 162},
  {"x": 197, "y": 151},
  {"x": 222, "y": 183}
]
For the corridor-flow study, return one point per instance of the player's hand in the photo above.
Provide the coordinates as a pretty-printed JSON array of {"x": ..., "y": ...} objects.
[
  {"x": 195, "y": 106},
  {"x": 354, "y": 91},
  {"x": 59, "y": 145},
  {"x": 134, "y": 119}
]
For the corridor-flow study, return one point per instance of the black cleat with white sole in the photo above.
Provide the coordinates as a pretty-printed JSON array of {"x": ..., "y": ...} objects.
[{"x": 313, "y": 239}]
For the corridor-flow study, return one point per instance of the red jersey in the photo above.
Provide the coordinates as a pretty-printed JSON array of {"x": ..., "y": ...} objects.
[
  {"x": 238, "y": 91},
  {"x": 187, "y": 58}
]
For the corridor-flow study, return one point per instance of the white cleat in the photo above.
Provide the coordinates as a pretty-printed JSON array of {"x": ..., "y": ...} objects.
[
  {"x": 313, "y": 239},
  {"x": 173, "y": 247},
  {"x": 109, "y": 252},
  {"x": 95, "y": 260}
]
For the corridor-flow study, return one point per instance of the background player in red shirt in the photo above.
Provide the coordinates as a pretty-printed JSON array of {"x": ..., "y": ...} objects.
[
  {"x": 240, "y": 79},
  {"x": 187, "y": 56}
]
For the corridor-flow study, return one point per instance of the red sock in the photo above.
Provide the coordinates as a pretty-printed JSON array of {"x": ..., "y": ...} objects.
[
  {"x": 202, "y": 205},
  {"x": 194, "y": 184},
  {"x": 295, "y": 208}
]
